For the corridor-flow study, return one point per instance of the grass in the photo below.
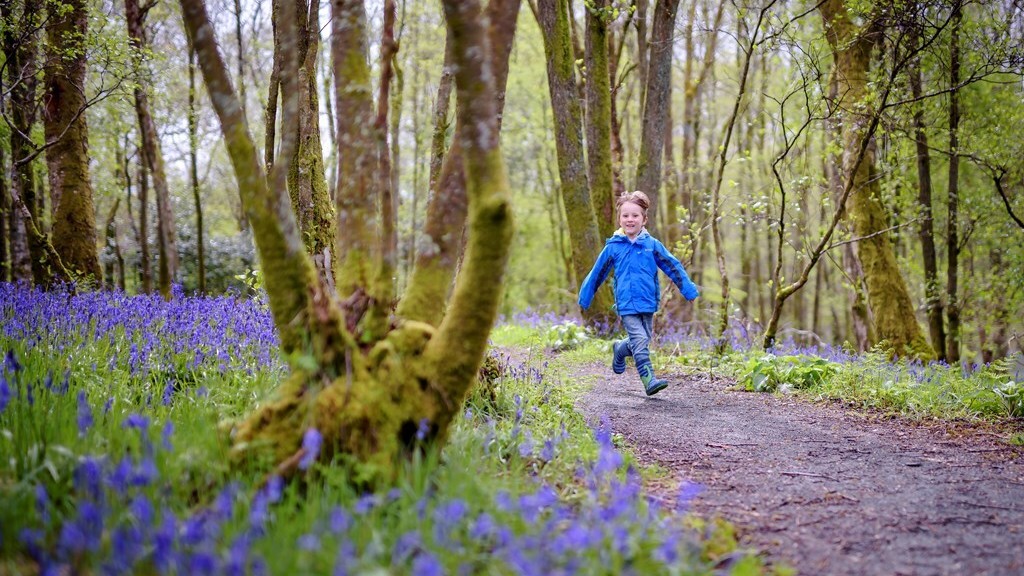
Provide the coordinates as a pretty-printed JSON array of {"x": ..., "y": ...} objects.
[{"x": 113, "y": 459}]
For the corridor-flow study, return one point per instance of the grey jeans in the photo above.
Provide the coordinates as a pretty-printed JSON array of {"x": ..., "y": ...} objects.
[{"x": 639, "y": 329}]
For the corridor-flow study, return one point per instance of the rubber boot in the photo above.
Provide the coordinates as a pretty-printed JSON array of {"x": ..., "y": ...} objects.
[
  {"x": 652, "y": 384},
  {"x": 620, "y": 349}
]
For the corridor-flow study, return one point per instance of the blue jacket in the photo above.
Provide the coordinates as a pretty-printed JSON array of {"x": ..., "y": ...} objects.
[{"x": 636, "y": 273}]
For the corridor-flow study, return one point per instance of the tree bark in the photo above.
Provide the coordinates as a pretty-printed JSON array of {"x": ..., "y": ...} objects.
[
  {"x": 553, "y": 17},
  {"x": 21, "y": 47},
  {"x": 369, "y": 406},
  {"x": 933, "y": 301},
  {"x": 599, "y": 110},
  {"x": 74, "y": 217},
  {"x": 153, "y": 156},
  {"x": 437, "y": 256},
  {"x": 145, "y": 258},
  {"x": 307, "y": 181},
  {"x": 656, "y": 102},
  {"x": 953, "y": 197},
  {"x": 193, "y": 170},
  {"x": 888, "y": 296},
  {"x": 358, "y": 198}
]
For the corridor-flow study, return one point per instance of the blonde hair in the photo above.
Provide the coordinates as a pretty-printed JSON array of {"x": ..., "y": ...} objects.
[{"x": 636, "y": 197}]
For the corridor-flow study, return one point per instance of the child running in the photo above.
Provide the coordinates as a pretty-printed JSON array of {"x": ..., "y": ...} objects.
[{"x": 635, "y": 256}]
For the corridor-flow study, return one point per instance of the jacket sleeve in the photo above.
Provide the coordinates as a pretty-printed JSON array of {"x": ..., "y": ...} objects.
[
  {"x": 672, "y": 267},
  {"x": 595, "y": 278}
]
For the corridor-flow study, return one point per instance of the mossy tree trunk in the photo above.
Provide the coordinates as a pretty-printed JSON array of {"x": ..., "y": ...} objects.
[
  {"x": 307, "y": 181},
  {"x": 74, "y": 217},
  {"x": 599, "y": 117},
  {"x": 439, "y": 250},
  {"x": 891, "y": 305},
  {"x": 655, "y": 111},
  {"x": 553, "y": 17},
  {"x": 368, "y": 402}
]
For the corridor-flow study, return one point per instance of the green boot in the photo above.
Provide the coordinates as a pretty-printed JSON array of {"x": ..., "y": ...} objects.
[{"x": 652, "y": 384}]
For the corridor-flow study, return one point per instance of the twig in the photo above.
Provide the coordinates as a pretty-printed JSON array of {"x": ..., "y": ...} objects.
[
  {"x": 713, "y": 445},
  {"x": 809, "y": 474}
]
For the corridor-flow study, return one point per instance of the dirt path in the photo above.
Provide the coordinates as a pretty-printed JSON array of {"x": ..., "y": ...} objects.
[{"x": 823, "y": 489}]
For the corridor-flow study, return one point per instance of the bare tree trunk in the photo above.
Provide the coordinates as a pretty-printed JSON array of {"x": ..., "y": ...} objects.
[
  {"x": 146, "y": 272},
  {"x": 240, "y": 53},
  {"x": 385, "y": 176},
  {"x": 656, "y": 103},
  {"x": 151, "y": 152},
  {"x": 933, "y": 301},
  {"x": 953, "y": 197},
  {"x": 5, "y": 211},
  {"x": 113, "y": 262},
  {"x": 21, "y": 46},
  {"x": 723, "y": 322},
  {"x": 193, "y": 167}
]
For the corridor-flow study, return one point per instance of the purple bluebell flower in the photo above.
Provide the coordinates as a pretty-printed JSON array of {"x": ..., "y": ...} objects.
[
  {"x": 309, "y": 542},
  {"x": 346, "y": 559},
  {"x": 87, "y": 477},
  {"x": 202, "y": 563},
  {"x": 42, "y": 503},
  {"x": 136, "y": 421},
  {"x": 126, "y": 544},
  {"x": 168, "y": 394},
  {"x": 166, "y": 433},
  {"x": 407, "y": 545},
  {"x": 84, "y": 413},
  {"x": 365, "y": 504},
  {"x": 142, "y": 510},
  {"x": 90, "y": 520},
  {"x": 547, "y": 454},
  {"x": 426, "y": 564},
  {"x": 422, "y": 429},
  {"x": 11, "y": 363},
  {"x": 526, "y": 446},
  {"x": 340, "y": 521},
  {"x": 311, "y": 443},
  {"x": 238, "y": 556},
  {"x": 483, "y": 527},
  {"x": 145, "y": 472},
  {"x": 273, "y": 489},
  {"x": 108, "y": 405},
  {"x": 72, "y": 540},
  {"x": 687, "y": 492},
  {"x": 5, "y": 393},
  {"x": 224, "y": 503}
]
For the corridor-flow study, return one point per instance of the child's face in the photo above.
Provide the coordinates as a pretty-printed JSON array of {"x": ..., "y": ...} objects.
[{"x": 632, "y": 219}]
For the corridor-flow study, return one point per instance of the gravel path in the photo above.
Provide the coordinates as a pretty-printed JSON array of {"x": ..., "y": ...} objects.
[{"x": 824, "y": 489}]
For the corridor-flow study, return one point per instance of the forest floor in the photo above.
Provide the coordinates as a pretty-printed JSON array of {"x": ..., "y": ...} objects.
[{"x": 823, "y": 488}]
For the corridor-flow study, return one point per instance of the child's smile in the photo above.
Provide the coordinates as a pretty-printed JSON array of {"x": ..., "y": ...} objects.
[{"x": 631, "y": 219}]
